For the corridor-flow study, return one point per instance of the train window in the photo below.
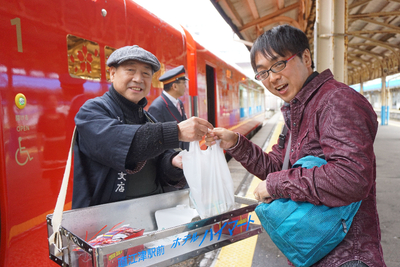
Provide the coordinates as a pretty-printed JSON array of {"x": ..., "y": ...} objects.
[
  {"x": 252, "y": 110},
  {"x": 396, "y": 99},
  {"x": 229, "y": 74},
  {"x": 83, "y": 58},
  {"x": 243, "y": 102},
  {"x": 256, "y": 102}
]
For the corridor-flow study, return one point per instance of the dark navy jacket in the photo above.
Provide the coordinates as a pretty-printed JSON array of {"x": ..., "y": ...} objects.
[
  {"x": 164, "y": 110},
  {"x": 101, "y": 148}
]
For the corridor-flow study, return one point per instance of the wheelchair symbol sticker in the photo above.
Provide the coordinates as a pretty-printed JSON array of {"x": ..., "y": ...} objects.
[{"x": 22, "y": 153}]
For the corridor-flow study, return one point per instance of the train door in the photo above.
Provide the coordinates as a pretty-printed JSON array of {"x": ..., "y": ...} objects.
[{"x": 210, "y": 79}]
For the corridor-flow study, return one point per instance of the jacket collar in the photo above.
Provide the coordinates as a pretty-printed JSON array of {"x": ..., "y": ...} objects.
[
  {"x": 312, "y": 86},
  {"x": 133, "y": 113}
]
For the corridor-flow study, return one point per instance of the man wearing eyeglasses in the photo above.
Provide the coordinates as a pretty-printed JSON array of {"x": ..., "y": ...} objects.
[
  {"x": 324, "y": 118},
  {"x": 168, "y": 106}
]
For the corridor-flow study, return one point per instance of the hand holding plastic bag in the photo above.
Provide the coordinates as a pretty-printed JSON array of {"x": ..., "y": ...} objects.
[{"x": 209, "y": 179}]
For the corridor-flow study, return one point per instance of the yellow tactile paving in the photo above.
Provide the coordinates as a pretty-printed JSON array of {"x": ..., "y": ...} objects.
[{"x": 241, "y": 253}]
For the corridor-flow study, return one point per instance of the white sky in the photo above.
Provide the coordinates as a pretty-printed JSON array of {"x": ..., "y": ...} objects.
[{"x": 204, "y": 23}]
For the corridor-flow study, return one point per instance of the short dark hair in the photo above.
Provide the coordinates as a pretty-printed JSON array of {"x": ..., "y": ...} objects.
[
  {"x": 168, "y": 86},
  {"x": 282, "y": 40}
]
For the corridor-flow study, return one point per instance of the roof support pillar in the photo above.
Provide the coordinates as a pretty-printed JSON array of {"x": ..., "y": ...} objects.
[
  {"x": 361, "y": 88},
  {"x": 330, "y": 40},
  {"x": 384, "y": 107},
  {"x": 383, "y": 90}
]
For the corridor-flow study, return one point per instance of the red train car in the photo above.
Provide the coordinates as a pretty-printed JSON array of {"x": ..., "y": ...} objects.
[{"x": 53, "y": 58}]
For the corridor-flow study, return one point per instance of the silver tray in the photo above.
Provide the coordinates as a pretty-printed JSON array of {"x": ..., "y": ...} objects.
[{"x": 78, "y": 224}]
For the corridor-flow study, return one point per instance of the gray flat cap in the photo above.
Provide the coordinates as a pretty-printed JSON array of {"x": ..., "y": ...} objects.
[{"x": 133, "y": 52}]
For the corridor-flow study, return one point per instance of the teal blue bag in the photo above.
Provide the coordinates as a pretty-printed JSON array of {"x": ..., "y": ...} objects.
[{"x": 305, "y": 233}]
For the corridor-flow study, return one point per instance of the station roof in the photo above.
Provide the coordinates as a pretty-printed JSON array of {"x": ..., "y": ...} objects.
[{"x": 373, "y": 29}]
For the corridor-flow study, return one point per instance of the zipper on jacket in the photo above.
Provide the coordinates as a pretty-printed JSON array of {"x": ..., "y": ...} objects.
[{"x": 140, "y": 112}]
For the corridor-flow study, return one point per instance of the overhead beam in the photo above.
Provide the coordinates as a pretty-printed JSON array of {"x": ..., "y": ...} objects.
[
  {"x": 374, "y": 56},
  {"x": 374, "y": 15},
  {"x": 372, "y": 72},
  {"x": 362, "y": 61},
  {"x": 253, "y": 9},
  {"x": 354, "y": 66},
  {"x": 289, "y": 20},
  {"x": 384, "y": 58},
  {"x": 269, "y": 16},
  {"x": 280, "y": 4},
  {"x": 355, "y": 46},
  {"x": 232, "y": 11},
  {"x": 372, "y": 32},
  {"x": 381, "y": 24},
  {"x": 386, "y": 45},
  {"x": 359, "y": 3}
]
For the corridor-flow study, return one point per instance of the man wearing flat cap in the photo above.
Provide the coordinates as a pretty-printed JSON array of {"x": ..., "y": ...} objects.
[
  {"x": 121, "y": 151},
  {"x": 168, "y": 106}
]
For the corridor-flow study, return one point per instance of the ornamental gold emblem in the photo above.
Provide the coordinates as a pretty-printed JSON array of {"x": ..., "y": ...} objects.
[{"x": 83, "y": 58}]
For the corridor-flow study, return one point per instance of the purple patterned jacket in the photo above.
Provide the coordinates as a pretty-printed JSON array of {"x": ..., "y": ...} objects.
[{"x": 330, "y": 118}]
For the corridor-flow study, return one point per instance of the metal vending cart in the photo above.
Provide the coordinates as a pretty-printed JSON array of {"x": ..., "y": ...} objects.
[{"x": 156, "y": 247}]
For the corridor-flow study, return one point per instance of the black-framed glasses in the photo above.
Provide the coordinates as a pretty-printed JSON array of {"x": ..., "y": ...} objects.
[{"x": 275, "y": 68}]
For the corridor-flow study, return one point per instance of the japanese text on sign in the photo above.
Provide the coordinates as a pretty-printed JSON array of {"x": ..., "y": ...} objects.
[{"x": 160, "y": 250}]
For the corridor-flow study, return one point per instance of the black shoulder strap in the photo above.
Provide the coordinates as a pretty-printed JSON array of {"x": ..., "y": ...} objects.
[{"x": 282, "y": 137}]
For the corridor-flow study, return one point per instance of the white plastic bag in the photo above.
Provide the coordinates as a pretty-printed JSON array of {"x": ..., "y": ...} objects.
[{"x": 209, "y": 179}]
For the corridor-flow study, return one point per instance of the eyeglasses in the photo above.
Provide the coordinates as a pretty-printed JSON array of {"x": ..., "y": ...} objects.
[{"x": 275, "y": 68}]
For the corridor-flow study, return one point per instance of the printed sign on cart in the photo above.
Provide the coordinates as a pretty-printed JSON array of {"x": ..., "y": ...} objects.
[{"x": 150, "y": 253}]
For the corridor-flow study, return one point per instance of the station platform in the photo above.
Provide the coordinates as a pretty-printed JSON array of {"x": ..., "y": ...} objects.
[{"x": 260, "y": 251}]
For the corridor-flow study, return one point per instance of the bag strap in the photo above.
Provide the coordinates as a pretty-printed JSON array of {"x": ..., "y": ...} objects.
[
  {"x": 55, "y": 238},
  {"x": 285, "y": 165},
  {"x": 281, "y": 144}
]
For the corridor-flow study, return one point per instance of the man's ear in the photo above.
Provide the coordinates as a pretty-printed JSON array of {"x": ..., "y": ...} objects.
[
  {"x": 174, "y": 86},
  {"x": 113, "y": 70},
  {"x": 307, "y": 58}
]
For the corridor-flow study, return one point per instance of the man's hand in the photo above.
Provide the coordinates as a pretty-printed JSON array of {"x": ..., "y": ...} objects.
[
  {"x": 227, "y": 137},
  {"x": 177, "y": 161},
  {"x": 261, "y": 194},
  {"x": 193, "y": 129}
]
